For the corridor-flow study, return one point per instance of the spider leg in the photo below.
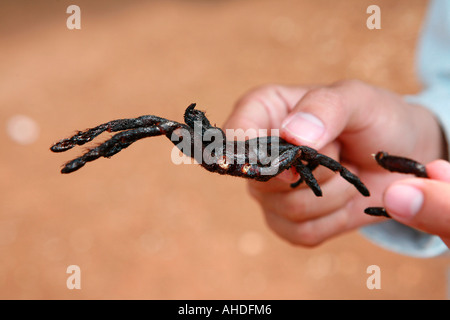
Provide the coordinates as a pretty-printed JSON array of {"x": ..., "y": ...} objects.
[
  {"x": 377, "y": 212},
  {"x": 396, "y": 164},
  {"x": 312, "y": 155},
  {"x": 400, "y": 164},
  {"x": 119, "y": 142},
  {"x": 311, "y": 166},
  {"x": 261, "y": 172},
  {"x": 83, "y": 137},
  {"x": 307, "y": 176}
]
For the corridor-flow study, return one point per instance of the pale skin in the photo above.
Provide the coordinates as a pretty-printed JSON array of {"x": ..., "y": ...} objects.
[{"x": 348, "y": 121}]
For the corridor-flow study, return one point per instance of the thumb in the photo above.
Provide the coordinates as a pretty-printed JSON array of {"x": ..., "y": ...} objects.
[
  {"x": 354, "y": 113},
  {"x": 423, "y": 204},
  {"x": 325, "y": 112},
  {"x": 264, "y": 107}
]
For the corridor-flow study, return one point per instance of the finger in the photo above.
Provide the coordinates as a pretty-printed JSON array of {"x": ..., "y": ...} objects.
[
  {"x": 309, "y": 233},
  {"x": 315, "y": 231},
  {"x": 288, "y": 177},
  {"x": 276, "y": 184},
  {"x": 420, "y": 203},
  {"x": 363, "y": 117},
  {"x": 324, "y": 113},
  {"x": 439, "y": 170},
  {"x": 264, "y": 107},
  {"x": 301, "y": 204}
]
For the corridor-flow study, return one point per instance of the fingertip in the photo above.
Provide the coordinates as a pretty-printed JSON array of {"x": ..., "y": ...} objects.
[
  {"x": 303, "y": 128},
  {"x": 439, "y": 170},
  {"x": 280, "y": 183},
  {"x": 420, "y": 203},
  {"x": 264, "y": 107},
  {"x": 403, "y": 201},
  {"x": 318, "y": 118}
]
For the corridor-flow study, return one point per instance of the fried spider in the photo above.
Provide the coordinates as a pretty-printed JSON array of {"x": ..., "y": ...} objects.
[
  {"x": 260, "y": 158},
  {"x": 396, "y": 164}
]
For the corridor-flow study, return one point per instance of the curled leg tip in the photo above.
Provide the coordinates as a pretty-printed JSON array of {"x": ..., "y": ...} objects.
[
  {"x": 65, "y": 170},
  {"x": 380, "y": 155},
  {"x": 377, "y": 212},
  {"x": 363, "y": 190},
  {"x": 296, "y": 184}
]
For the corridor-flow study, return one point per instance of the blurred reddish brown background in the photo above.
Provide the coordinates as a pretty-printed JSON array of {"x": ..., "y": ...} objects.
[{"x": 138, "y": 225}]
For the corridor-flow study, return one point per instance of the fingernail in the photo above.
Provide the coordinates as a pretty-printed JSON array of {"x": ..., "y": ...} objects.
[
  {"x": 304, "y": 126},
  {"x": 403, "y": 201}
]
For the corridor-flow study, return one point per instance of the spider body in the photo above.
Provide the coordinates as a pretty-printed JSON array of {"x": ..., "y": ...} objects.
[{"x": 260, "y": 158}]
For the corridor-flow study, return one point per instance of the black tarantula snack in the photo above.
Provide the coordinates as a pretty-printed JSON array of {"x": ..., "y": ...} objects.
[{"x": 260, "y": 158}]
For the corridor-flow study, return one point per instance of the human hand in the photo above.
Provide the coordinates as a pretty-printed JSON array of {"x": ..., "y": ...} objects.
[
  {"x": 348, "y": 121},
  {"x": 423, "y": 203}
]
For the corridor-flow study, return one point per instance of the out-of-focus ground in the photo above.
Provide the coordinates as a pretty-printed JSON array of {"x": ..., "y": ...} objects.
[{"x": 139, "y": 226}]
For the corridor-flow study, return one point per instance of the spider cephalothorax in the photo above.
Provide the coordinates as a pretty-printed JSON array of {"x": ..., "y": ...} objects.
[{"x": 260, "y": 158}]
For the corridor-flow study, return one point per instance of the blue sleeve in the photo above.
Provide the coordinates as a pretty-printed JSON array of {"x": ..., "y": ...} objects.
[{"x": 433, "y": 64}]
